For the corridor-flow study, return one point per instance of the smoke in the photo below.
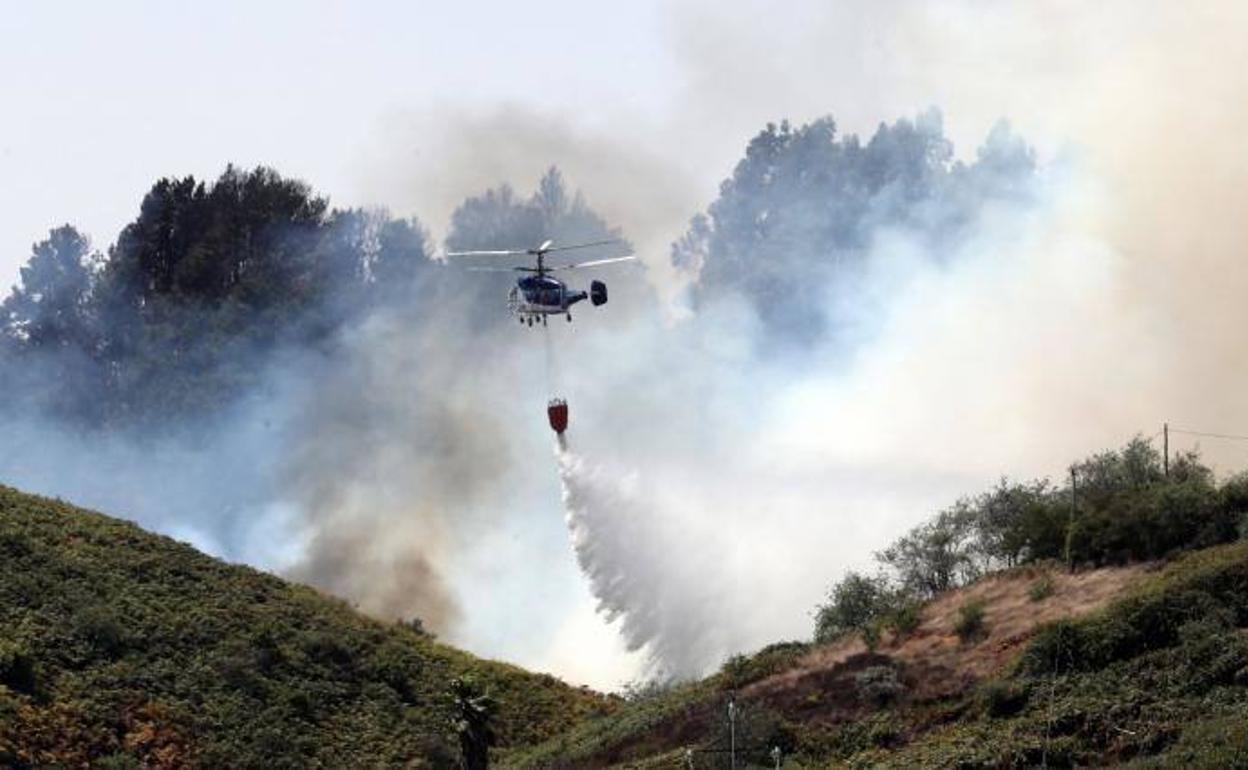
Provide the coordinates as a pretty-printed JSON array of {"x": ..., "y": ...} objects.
[
  {"x": 622, "y": 163},
  {"x": 717, "y": 488},
  {"x": 729, "y": 484}
]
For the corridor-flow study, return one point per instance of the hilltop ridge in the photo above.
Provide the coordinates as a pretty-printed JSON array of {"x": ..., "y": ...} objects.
[{"x": 120, "y": 648}]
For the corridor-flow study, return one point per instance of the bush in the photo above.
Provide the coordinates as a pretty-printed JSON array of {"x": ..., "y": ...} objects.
[
  {"x": 876, "y": 731},
  {"x": 970, "y": 623},
  {"x": 871, "y": 636},
  {"x": 852, "y": 605},
  {"x": 878, "y": 685},
  {"x": 17, "y": 667},
  {"x": 642, "y": 690},
  {"x": 101, "y": 629},
  {"x": 999, "y": 699},
  {"x": 905, "y": 618},
  {"x": 1211, "y": 584},
  {"x": 740, "y": 670},
  {"x": 1041, "y": 589}
]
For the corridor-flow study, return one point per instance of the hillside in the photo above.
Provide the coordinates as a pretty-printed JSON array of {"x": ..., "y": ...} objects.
[
  {"x": 1145, "y": 664},
  {"x": 119, "y": 648}
]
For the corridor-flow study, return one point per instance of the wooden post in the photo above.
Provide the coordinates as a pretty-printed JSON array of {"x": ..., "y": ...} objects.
[
  {"x": 1165, "y": 448},
  {"x": 1070, "y": 524}
]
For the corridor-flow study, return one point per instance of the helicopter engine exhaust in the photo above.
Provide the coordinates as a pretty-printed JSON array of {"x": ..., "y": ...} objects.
[{"x": 598, "y": 293}]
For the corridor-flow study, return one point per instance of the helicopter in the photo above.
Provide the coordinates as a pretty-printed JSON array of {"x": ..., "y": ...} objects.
[{"x": 536, "y": 297}]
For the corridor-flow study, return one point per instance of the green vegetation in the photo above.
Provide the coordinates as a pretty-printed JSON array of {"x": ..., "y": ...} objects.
[
  {"x": 970, "y": 622},
  {"x": 1122, "y": 507},
  {"x": 1041, "y": 589},
  {"x": 1156, "y": 679},
  {"x": 124, "y": 649},
  {"x": 821, "y": 194},
  {"x": 179, "y": 318}
]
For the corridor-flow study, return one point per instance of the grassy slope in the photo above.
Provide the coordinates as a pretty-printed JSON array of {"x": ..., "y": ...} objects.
[
  {"x": 120, "y": 648},
  {"x": 1158, "y": 677}
]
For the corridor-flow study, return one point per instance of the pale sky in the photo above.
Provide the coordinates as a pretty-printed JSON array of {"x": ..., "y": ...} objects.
[
  {"x": 101, "y": 99},
  {"x": 401, "y": 104}
]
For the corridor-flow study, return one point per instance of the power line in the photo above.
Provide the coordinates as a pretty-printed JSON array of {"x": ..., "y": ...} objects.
[{"x": 1229, "y": 436}]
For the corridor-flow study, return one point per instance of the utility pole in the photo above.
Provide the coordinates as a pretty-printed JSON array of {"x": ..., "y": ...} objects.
[
  {"x": 732, "y": 734},
  {"x": 1165, "y": 448},
  {"x": 1070, "y": 524}
]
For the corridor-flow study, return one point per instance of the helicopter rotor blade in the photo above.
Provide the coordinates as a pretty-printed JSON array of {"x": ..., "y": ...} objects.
[
  {"x": 504, "y": 253},
  {"x": 546, "y": 248},
  {"x": 495, "y": 269},
  {"x": 594, "y": 262}
]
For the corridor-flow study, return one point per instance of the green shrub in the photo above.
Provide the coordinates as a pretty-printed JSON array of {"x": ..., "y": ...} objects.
[
  {"x": 17, "y": 667},
  {"x": 118, "y": 762},
  {"x": 999, "y": 699},
  {"x": 879, "y": 685},
  {"x": 740, "y": 670},
  {"x": 1206, "y": 584},
  {"x": 642, "y": 690},
  {"x": 100, "y": 627},
  {"x": 876, "y": 731},
  {"x": 853, "y": 604},
  {"x": 1213, "y": 654},
  {"x": 970, "y": 622},
  {"x": 1041, "y": 589},
  {"x": 905, "y": 618},
  {"x": 1220, "y": 742},
  {"x": 871, "y": 636}
]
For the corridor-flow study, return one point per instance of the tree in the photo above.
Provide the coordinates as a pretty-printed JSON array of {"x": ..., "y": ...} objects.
[
  {"x": 1102, "y": 476},
  {"x": 472, "y": 714},
  {"x": 794, "y": 226},
  {"x": 209, "y": 277},
  {"x": 938, "y": 555},
  {"x": 853, "y": 604},
  {"x": 49, "y": 309},
  {"x": 1013, "y": 524},
  {"x": 49, "y": 335}
]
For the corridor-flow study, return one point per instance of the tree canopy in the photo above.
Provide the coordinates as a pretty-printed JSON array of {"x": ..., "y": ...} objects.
[{"x": 796, "y": 221}]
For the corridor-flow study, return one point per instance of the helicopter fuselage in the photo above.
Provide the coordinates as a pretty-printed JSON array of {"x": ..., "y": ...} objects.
[
  {"x": 537, "y": 296},
  {"x": 542, "y": 295}
]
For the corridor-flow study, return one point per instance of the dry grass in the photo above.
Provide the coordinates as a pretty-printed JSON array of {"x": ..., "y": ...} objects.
[{"x": 939, "y": 662}]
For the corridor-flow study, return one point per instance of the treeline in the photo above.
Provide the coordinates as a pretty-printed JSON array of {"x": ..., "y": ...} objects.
[
  {"x": 793, "y": 229},
  {"x": 1121, "y": 506},
  {"x": 182, "y": 314}
]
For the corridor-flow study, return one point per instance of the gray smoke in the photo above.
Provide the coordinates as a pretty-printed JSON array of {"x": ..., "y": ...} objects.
[{"x": 715, "y": 492}]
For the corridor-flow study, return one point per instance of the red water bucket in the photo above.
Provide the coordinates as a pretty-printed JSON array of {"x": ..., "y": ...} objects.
[{"x": 557, "y": 411}]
